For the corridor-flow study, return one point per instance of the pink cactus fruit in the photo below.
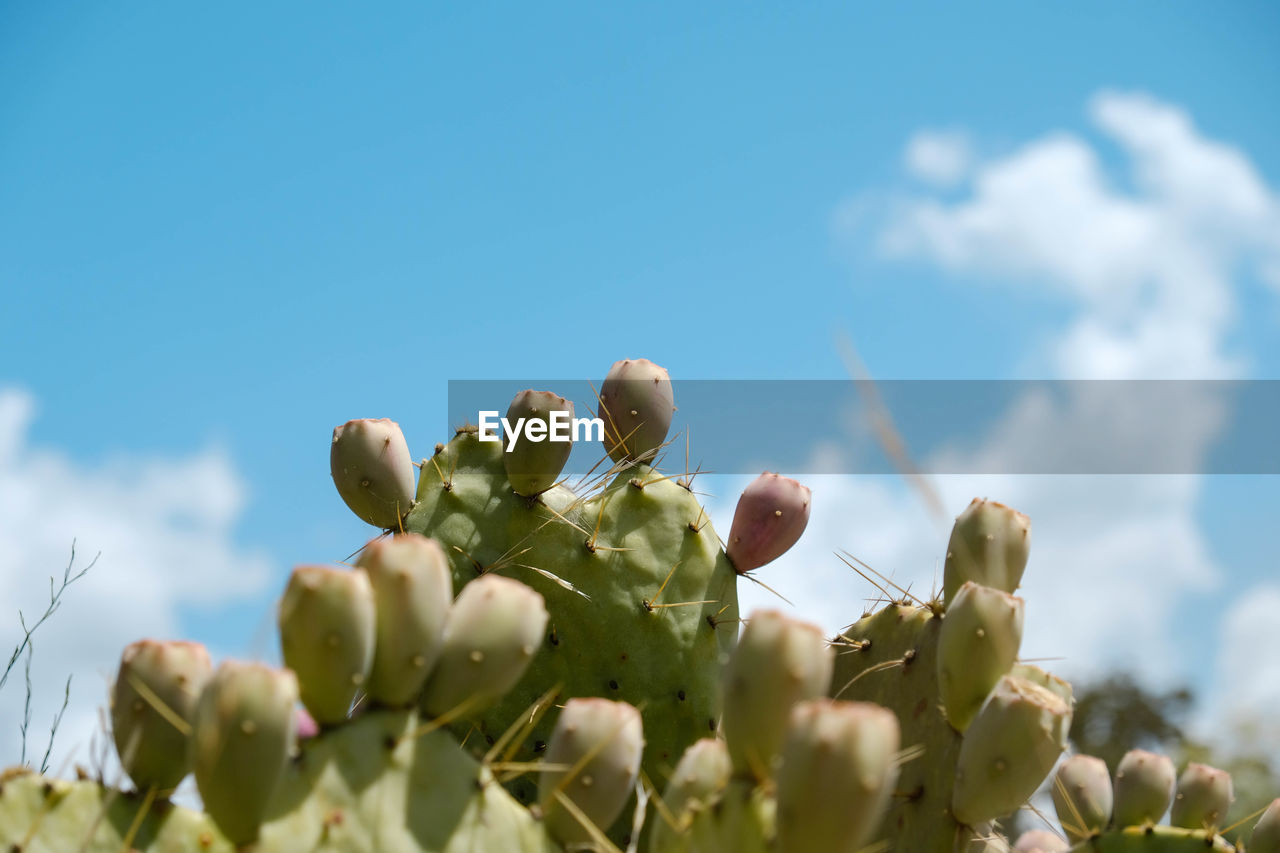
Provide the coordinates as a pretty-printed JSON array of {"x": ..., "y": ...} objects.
[{"x": 771, "y": 515}]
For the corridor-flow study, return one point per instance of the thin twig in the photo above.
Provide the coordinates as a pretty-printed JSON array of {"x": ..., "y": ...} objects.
[
  {"x": 55, "y": 600},
  {"x": 26, "y": 712},
  {"x": 57, "y": 720}
]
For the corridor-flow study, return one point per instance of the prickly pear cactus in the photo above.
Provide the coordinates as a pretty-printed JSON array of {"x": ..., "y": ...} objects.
[
  {"x": 642, "y": 599},
  {"x": 987, "y": 730},
  {"x": 796, "y": 771},
  {"x": 392, "y": 780},
  {"x": 513, "y": 666},
  {"x": 1125, "y": 817}
]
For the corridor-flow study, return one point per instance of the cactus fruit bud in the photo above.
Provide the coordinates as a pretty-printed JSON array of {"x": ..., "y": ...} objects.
[
  {"x": 839, "y": 766},
  {"x": 1047, "y": 680},
  {"x": 534, "y": 466},
  {"x": 977, "y": 646},
  {"x": 771, "y": 514},
  {"x": 1203, "y": 796},
  {"x": 1082, "y": 796},
  {"x": 305, "y": 725},
  {"x": 491, "y": 635},
  {"x": 327, "y": 636},
  {"x": 1040, "y": 841},
  {"x": 636, "y": 405},
  {"x": 412, "y": 592},
  {"x": 244, "y": 733},
  {"x": 989, "y": 545},
  {"x": 703, "y": 772},
  {"x": 154, "y": 748},
  {"x": 1144, "y": 788},
  {"x": 1266, "y": 832},
  {"x": 778, "y": 662},
  {"x": 372, "y": 469},
  {"x": 599, "y": 744},
  {"x": 1008, "y": 749}
]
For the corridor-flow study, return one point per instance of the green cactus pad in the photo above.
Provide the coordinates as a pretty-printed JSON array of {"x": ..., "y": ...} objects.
[
  {"x": 891, "y": 657},
  {"x": 42, "y": 815},
  {"x": 1155, "y": 839},
  {"x": 642, "y": 598},
  {"x": 378, "y": 783}
]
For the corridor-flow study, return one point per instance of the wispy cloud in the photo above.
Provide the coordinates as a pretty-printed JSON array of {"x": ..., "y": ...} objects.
[
  {"x": 1150, "y": 271},
  {"x": 165, "y": 531},
  {"x": 939, "y": 157},
  {"x": 1148, "y": 265}
]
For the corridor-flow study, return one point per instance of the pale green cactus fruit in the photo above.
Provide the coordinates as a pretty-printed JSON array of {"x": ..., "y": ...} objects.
[
  {"x": 742, "y": 817},
  {"x": 532, "y": 460},
  {"x": 327, "y": 634},
  {"x": 1143, "y": 788},
  {"x": 978, "y": 645},
  {"x": 1143, "y": 791},
  {"x": 778, "y": 662},
  {"x": 1202, "y": 797},
  {"x": 989, "y": 545},
  {"x": 636, "y": 406},
  {"x": 641, "y": 598},
  {"x": 153, "y": 704},
  {"x": 490, "y": 637},
  {"x": 701, "y": 775},
  {"x": 1265, "y": 837},
  {"x": 595, "y": 749},
  {"x": 243, "y": 735},
  {"x": 412, "y": 591},
  {"x": 1082, "y": 796},
  {"x": 372, "y": 469},
  {"x": 838, "y": 770},
  {"x": 1008, "y": 749}
]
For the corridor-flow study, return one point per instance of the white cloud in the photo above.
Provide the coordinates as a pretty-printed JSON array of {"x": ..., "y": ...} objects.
[
  {"x": 1247, "y": 676},
  {"x": 938, "y": 157},
  {"x": 1150, "y": 271},
  {"x": 1149, "y": 268},
  {"x": 164, "y": 528}
]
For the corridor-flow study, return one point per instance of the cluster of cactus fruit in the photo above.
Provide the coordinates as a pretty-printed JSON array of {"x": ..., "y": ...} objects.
[{"x": 514, "y": 665}]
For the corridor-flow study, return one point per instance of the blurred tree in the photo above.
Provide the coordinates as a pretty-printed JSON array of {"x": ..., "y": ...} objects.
[{"x": 1117, "y": 714}]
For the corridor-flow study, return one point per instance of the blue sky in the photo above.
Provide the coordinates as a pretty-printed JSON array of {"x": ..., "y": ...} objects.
[{"x": 227, "y": 230}]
